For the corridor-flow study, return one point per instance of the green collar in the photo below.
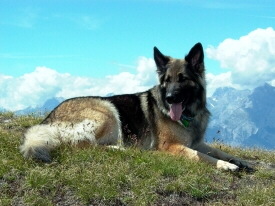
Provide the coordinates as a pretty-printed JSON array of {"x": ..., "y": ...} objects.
[{"x": 186, "y": 120}]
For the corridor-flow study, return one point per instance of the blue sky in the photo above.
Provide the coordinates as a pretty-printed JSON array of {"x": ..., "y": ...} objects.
[
  {"x": 94, "y": 38},
  {"x": 97, "y": 38}
]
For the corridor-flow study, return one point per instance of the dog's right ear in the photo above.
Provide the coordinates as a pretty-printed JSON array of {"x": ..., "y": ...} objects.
[{"x": 161, "y": 60}]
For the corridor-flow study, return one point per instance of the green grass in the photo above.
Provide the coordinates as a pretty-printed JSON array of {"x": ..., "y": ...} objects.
[{"x": 101, "y": 176}]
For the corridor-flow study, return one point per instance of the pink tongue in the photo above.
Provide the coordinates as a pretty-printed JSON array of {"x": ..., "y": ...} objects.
[{"x": 175, "y": 111}]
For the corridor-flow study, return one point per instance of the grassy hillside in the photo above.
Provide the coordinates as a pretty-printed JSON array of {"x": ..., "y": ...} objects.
[{"x": 100, "y": 176}]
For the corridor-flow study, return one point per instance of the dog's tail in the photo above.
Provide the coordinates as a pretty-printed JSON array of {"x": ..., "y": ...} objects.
[{"x": 39, "y": 141}]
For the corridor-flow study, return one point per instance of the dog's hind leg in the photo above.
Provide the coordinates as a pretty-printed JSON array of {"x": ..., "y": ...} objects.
[{"x": 41, "y": 139}]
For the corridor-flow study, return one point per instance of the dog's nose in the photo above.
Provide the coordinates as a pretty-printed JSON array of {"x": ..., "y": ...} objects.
[{"x": 169, "y": 98}]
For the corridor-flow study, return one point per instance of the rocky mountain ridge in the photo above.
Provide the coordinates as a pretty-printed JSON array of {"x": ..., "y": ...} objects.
[{"x": 243, "y": 117}]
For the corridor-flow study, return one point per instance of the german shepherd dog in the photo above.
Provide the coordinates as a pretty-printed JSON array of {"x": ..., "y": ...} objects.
[{"x": 171, "y": 117}]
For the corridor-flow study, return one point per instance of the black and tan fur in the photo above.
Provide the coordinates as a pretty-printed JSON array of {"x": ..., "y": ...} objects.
[{"x": 149, "y": 119}]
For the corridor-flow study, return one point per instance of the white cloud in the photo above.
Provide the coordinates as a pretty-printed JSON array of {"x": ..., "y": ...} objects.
[
  {"x": 250, "y": 62},
  {"x": 34, "y": 88},
  {"x": 272, "y": 83},
  {"x": 250, "y": 58},
  {"x": 220, "y": 80}
]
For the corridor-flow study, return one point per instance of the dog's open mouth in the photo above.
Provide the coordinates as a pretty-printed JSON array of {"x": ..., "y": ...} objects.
[{"x": 176, "y": 110}]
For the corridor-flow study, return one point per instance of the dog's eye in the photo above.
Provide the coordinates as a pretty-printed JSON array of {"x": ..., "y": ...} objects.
[
  {"x": 181, "y": 78},
  {"x": 167, "y": 79}
]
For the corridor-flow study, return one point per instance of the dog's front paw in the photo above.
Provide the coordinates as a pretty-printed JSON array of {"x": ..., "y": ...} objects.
[
  {"x": 227, "y": 166},
  {"x": 243, "y": 165}
]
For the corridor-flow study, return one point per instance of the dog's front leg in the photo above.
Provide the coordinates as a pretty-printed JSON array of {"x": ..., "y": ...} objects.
[
  {"x": 179, "y": 149},
  {"x": 216, "y": 153}
]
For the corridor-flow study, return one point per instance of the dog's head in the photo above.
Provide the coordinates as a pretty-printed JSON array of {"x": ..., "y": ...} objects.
[{"x": 181, "y": 80}]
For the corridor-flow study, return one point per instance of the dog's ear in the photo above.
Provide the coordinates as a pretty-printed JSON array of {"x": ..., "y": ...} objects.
[
  {"x": 161, "y": 60},
  {"x": 195, "y": 57}
]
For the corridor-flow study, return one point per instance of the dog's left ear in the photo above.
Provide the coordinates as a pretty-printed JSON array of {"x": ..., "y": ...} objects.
[{"x": 195, "y": 57}]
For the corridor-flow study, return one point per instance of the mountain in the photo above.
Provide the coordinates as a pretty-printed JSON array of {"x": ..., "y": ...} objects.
[
  {"x": 49, "y": 105},
  {"x": 110, "y": 94},
  {"x": 243, "y": 117},
  {"x": 262, "y": 114},
  {"x": 2, "y": 109}
]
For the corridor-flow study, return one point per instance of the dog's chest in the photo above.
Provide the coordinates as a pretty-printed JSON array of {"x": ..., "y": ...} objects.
[{"x": 176, "y": 132}]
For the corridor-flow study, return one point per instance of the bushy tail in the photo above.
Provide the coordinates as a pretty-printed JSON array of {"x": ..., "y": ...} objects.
[{"x": 39, "y": 141}]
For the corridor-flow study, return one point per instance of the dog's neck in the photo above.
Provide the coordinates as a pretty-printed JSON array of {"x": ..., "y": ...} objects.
[{"x": 185, "y": 120}]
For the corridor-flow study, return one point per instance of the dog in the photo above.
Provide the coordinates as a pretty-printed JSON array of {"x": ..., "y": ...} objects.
[{"x": 171, "y": 117}]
